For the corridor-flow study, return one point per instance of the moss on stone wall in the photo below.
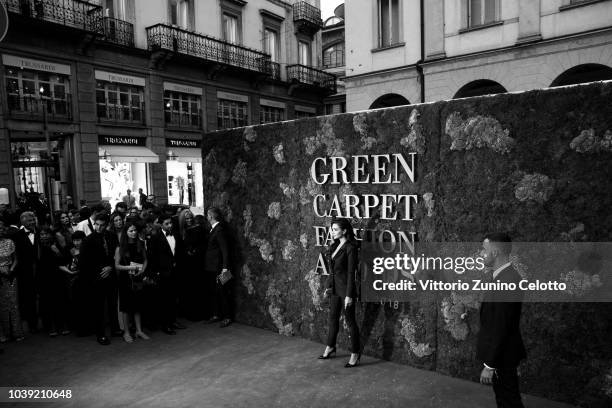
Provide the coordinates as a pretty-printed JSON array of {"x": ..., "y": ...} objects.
[{"x": 537, "y": 165}]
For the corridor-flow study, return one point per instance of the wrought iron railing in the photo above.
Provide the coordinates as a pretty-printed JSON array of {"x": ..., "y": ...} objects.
[
  {"x": 333, "y": 59},
  {"x": 302, "y": 11},
  {"x": 163, "y": 36},
  {"x": 274, "y": 70},
  {"x": 72, "y": 13},
  {"x": 133, "y": 113},
  {"x": 118, "y": 31},
  {"x": 35, "y": 107},
  {"x": 187, "y": 120},
  {"x": 311, "y": 76}
]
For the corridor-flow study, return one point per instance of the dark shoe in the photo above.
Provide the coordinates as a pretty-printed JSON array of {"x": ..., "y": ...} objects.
[
  {"x": 212, "y": 320},
  {"x": 168, "y": 330},
  {"x": 177, "y": 325},
  {"x": 117, "y": 333},
  {"x": 103, "y": 340},
  {"x": 225, "y": 323},
  {"x": 328, "y": 355},
  {"x": 349, "y": 365},
  {"x": 53, "y": 334}
]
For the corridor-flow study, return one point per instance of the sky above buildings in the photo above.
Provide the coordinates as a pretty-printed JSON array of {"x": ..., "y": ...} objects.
[{"x": 328, "y": 6}]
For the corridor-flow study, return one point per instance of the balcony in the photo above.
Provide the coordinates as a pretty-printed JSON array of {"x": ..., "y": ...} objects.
[
  {"x": 306, "y": 18},
  {"x": 308, "y": 76},
  {"x": 174, "y": 39},
  {"x": 118, "y": 31},
  {"x": 183, "y": 120},
  {"x": 33, "y": 107},
  {"x": 274, "y": 70},
  {"x": 70, "y": 13},
  {"x": 121, "y": 114}
]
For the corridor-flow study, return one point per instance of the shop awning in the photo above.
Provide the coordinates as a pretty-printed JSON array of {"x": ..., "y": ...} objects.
[
  {"x": 129, "y": 154},
  {"x": 187, "y": 154}
]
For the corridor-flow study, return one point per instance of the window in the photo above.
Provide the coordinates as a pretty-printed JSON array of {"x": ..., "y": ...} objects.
[
  {"x": 333, "y": 56},
  {"x": 26, "y": 89},
  {"x": 388, "y": 23},
  {"x": 333, "y": 108},
  {"x": 481, "y": 12},
  {"x": 180, "y": 13},
  {"x": 182, "y": 109},
  {"x": 271, "y": 43},
  {"x": 231, "y": 32},
  {"x": 119, "y": 9},
  {"x": 302, "y": 114},
  {"x": 119, "y": 102},
  {"x": 231, "y": 114},
  {"x": 269, "y": 114},
  {"x": 303, "y": 53}
]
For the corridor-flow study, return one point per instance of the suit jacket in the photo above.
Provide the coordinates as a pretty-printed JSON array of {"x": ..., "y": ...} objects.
[
  {"x": 500, "y": 344},
  {"x": 27, "y": 253},
  {"x": 343, "y": 267},
  {"x": 161, "y": 259},
  {"x": 216, "y": 257},
  {"x": 94, "y": 257}
]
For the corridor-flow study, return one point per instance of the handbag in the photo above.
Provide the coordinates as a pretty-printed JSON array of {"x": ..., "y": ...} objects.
[{"x": 224, "y": 277}]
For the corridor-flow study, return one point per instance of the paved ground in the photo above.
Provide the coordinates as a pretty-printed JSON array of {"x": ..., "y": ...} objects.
[{"x": 239, "y": 366}]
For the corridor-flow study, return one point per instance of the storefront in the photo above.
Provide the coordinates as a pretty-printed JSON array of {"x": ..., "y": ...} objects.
[
  {"x": 124, "y": 164},
  {"x": 184, "y": 173}
]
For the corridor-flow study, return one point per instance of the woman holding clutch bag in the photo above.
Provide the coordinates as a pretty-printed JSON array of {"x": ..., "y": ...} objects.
[
  {"x": 342, "y": 287},
  {"x": 130, "y": 263}
]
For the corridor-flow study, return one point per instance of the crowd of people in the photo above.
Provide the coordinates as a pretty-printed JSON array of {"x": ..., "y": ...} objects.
[{"x": 124, "y": 271}]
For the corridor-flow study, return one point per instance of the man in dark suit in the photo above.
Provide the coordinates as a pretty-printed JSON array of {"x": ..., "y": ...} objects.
[
  {"x": 26, "y": 243},
  {"x": 98, "y": 270},
  {"x": 500, "y": 345},
  {"x": 216, "y": 264},
  {"x": 163, "y": 264}
]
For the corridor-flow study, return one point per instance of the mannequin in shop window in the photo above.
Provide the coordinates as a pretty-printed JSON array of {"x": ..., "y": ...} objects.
[{"x": 180, "y": 186}]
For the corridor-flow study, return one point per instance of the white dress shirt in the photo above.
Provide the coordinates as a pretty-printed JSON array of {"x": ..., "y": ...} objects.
[
  {"x": 171, "y": 241},
  {"x": 31, "y": 235},
  {"x": 214, "y": 224},
  {"x": 501, "y": 268}
]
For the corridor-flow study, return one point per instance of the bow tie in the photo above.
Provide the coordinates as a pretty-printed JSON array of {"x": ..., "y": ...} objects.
[
  {"x": 168, "y": 234},
  {"x": 28, "y": 232}
]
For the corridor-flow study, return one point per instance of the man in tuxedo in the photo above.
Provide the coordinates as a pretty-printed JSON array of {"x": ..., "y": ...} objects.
[
  {"x": 26, "y": 242},
  {"x": 87, "y": 224},
  {"x": 216, "y": 265},
  {"x": 163, "y": 263},
  {"x": 500, "y": 345},
  {"x": 98, "y": 270}
]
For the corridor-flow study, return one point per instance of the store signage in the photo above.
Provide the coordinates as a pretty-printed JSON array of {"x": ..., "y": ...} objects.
[
  {"x": 274, "y": 104},
  {"x": 122, "y": 140},
  {"x": 183, "y": 143},
  {"x": 36, "y": 65},
  {"x": 232, "y": 97},
  {"x": 120, "y": 78},
  {"x": 194, "y": 90},
  {"x": 308, "y": 109}
]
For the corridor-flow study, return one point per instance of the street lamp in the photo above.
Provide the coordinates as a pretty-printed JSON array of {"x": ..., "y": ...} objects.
[{"x": 48, "y": 164}]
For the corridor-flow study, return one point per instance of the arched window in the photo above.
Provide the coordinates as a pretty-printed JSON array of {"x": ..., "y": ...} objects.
[
  {"x": 583, "y": 73},
  {"x": 388, "y": 100},
  {"x": 333, "y": 56},
  {"x": 478, "y": 88}
]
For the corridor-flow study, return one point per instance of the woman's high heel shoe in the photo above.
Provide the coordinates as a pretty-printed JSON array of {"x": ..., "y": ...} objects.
[
  {"x": 328, "y": 355},
  {"x": 349, "y": 365}
]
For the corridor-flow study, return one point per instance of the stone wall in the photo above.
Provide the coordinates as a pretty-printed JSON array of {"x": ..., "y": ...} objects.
[{"x": 535, "y": 164}]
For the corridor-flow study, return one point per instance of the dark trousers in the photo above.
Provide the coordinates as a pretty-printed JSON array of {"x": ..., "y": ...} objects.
[
  {"x": 223, "y": 300},
  {"x": 336, "y": 307},
  {"x": 105, "y": 301},
  {"x": 53, "y": 306},
  {"x": 506, "y": 387},
  {"x": 28, "y": 298},
  {"x": 209, "y": 289},
  {"x": 167, "y": 300}
]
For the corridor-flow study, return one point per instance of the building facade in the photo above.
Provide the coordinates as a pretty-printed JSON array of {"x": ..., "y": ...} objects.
[
  {"x": 100, "y": 97},
  {"x": 333, "y": 46},
  {"x": 418, "y": 51}
]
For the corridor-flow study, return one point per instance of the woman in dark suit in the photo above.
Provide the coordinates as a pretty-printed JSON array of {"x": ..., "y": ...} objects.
[{"x": 342, "y": 287}]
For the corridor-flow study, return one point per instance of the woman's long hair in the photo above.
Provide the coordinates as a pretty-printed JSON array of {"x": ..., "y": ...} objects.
[
  {"x": 124, "y": 249},
  {"x": 344, "y": 224},
  {"x": 183, "y": 225}
]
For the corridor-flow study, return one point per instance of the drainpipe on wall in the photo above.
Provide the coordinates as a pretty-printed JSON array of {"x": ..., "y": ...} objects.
[{"x": 419, "y": 67}]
